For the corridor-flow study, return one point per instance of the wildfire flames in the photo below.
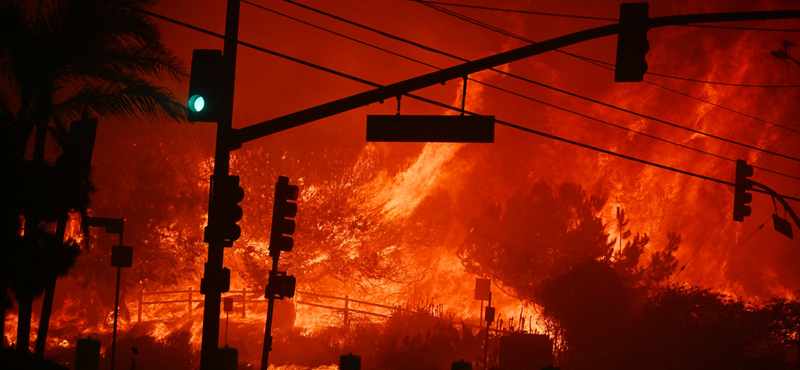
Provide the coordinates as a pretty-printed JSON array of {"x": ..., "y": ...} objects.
[{"x": 380, "y": 226}]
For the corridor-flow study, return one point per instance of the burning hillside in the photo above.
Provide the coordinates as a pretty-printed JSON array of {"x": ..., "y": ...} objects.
[{"x": 391, "y": 236}]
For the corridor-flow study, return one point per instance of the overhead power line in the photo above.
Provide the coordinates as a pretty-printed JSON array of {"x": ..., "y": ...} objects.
[
  {"x": 683, "y": 267},
  {"x": 722, "y": 83},
  {"x": 610, "y": 67},
  {"x": 460, "y": 16},
  {"x": 733, "y": 251},
  {"x": 605, "y": 65},
  {"x": 522, "y": 38},
  {"x": 597, "y": 18},
  {"x": 517, "y": 94},
  {"x": 338, "y": 34},
  {"x": 443, "y": 105},
  {"x": 437, "y": 51},
  {"x": 519, "y": 11}
]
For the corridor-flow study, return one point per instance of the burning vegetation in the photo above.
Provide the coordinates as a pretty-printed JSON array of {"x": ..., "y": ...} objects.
[{"x": 619, "y": 264}]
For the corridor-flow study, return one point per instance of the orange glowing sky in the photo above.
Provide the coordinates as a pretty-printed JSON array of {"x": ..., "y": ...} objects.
[{"x": 475, "y": 175}]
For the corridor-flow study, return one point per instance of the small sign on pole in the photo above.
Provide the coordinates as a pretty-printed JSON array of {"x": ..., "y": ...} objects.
[
  {"x": 121, "y": 256},
  {"x": 489, "y": 314},
  {"x": 482, "y": 288}
]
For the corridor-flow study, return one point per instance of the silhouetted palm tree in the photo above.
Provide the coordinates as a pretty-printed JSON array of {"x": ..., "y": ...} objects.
[
  {"x": 79, "y": 55},
  {"x": 61, "y": 59}
]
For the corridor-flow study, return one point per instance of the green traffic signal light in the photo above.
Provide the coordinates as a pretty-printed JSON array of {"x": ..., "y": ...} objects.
[{"x": 197, "y": 103}]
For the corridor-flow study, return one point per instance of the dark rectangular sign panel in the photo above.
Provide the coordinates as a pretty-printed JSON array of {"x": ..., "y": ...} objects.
[
  {"x": 121, "y": 256},
  {"x": 441, "y": 129}
]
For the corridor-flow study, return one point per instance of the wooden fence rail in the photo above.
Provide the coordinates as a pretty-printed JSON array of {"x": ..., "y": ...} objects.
[{"x": 240, "y": 297}]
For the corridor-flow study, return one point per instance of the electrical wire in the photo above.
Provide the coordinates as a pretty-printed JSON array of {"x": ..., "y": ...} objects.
[
  {"x": 519, "y": 11},
  {"x": 628, "y": 129},
  {"x": 598, "y": 18},
  {"x": 517, "y": 94},
  {"x": 721, "y": 83},
  {"x": 443, "y": 105},
  {"x": 522, "y": 38},
  {"x": 510, "y": 34},
  {"x": 733, "y": 251},
  {"x": 610, "y": 67},
  {"x": 723, "y": 107},
  {"x": 424, "y": 47},
  {"x": 339, "y": 34},
  {"x": 716, "y": 226},
  {"x": 683, "y": 267}
]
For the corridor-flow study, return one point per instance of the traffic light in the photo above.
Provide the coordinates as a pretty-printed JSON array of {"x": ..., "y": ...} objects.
[
  {"x": 632, "y": 44},
  {"x": 280, "y": 285},
  {"x": 740, "y": 195},
  {"x": 224, "y": 211},
  {"x": 204, "y": 85},
  {"x": 283, "y": 214},
  {"x": 221, "y": 281}
]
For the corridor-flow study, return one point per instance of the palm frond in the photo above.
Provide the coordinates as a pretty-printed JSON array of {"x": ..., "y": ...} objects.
[{"x": 137, "y": 97}]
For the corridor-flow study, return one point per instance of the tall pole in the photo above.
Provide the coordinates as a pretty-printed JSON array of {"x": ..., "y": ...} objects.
[
  {"x": 270, "y": 310},
  {"x": 116, "y": 314},
  {"x": 116, "y": 309},
  {"x": 488, "y": 323},
  {"x": 216, "y": 250}
]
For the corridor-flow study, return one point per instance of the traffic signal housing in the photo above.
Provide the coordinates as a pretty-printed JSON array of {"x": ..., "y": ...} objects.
[
  {"x": 216, "y": 282},
  {"x": 280, "y": 285},
  {"x": 283, "y": 213},
  {"x": 224, "y": 210},
  {"x": 204, "y": 99},
  {"x": 741, "y": 197},
  {"x": 632, "y": 44}
]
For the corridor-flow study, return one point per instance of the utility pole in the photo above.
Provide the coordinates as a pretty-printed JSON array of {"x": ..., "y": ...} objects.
[{"x": 216, "y": 249}]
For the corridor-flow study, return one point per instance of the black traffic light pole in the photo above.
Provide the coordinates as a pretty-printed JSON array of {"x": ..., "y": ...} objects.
[
  {"x": 229, "y": 139},
  {"x": 216, "y": 249},
  {"x": 267, "y": 346}
]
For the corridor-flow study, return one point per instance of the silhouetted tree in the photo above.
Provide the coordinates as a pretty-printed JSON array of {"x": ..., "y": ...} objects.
[
  {"x": 67, "y": 58},
  {"x": 536, "y": 237},
  {"x": 590, "y": 306},
  {"x": 553, "y": 250},
  {"x": 685, "y": 327},
  {"x": 71, "y": 56}
]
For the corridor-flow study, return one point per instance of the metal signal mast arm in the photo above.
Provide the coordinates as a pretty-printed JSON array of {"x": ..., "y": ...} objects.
[
  {"x": 292, "y": 120},
  {"x": 780, "y": 199}
]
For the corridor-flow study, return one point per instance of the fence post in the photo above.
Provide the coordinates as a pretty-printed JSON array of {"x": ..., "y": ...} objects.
[
  {"x": 244, "y": 302},
  {"x": 139, "y": 317},
  {"x": 346, "y": 316},
  {"x": 191, "y": 304}
]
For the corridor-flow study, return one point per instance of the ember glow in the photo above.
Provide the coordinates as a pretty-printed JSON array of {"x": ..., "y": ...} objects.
[{"x": 383, "y": 223}]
